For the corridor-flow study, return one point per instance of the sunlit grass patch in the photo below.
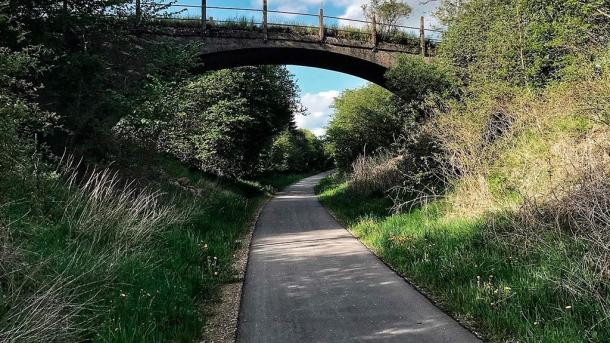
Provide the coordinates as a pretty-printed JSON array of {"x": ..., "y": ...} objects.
[
  {"x": 506, "y": 291},
  {"x": 93, "y": 257}
]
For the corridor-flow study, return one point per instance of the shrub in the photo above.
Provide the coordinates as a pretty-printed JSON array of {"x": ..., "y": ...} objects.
[
  {"x": 366, "y": 119},
  {"x": 578, "y": 209},
  {"x": 21, "y": 119},
  {"x": 376, "y": 175},
  {"x": 295, "y": 151}
]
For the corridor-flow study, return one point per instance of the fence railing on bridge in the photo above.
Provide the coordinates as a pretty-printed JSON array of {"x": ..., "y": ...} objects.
[{"x": 371, "y": 30}]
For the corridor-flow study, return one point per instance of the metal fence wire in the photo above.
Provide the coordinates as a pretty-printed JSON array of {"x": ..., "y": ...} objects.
[{"x": 179, "y": 14}]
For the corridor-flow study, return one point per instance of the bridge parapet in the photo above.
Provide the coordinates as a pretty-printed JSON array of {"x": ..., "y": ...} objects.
[
  {"x": 363, "y": 52},
  {"x": 170, "y": 17}
]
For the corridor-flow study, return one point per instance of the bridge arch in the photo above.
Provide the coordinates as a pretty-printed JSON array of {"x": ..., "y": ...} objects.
[{"x": 359, "y": 59}]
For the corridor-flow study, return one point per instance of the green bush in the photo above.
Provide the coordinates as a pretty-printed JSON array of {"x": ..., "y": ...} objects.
[
  {"x": 295, "y": 151},
  {"x": 365, "y": 120},
  {"x": 412, "y": 78},
  {"x": 521, "y": 42},
  {"x": 220, "y": 122}
]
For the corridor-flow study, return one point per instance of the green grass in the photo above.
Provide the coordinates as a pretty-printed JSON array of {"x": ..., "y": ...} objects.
[
  {"x": 277, "y": 182},
  {"x": 503, "y": 291},
  {"x": 159, "y": 290}
]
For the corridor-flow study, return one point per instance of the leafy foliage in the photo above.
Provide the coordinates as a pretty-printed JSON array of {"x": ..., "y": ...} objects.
[
  {"x": 21, "y": 119},
  {"x": 388, "y": 13},
  {"x": 412, "y": 79},
  {"x": 524, "y": 42},
  {"x": 365, "y": 120},
  {"x": 294, "y": 151},
  {"x": 220, "y": 122}
]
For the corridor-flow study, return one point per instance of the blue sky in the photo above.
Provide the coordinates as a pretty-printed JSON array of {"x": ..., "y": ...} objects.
[{"x": 318, "y": 87}]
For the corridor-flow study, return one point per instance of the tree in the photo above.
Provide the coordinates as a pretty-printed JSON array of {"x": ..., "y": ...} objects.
[
  {"x": 388, "y": 14},
  {"x": 365, "y": 120},
  {"x": 219, "y": 122},
  {"x": 521, "y": 42},
  {"x": 296, "y": 151},
  {"x": 413, "y": 79}
]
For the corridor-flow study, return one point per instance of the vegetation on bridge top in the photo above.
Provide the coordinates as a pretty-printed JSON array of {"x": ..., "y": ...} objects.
[{"x": 245, "y": 24}]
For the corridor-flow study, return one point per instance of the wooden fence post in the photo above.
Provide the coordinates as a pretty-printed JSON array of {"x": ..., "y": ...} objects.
[
  {"x": 138, "y": 11},
  {"x": 265, "y": 20},
  {"x": 204, "y": 15},
  {"x": 422, "y": 37},
  {"x": 321, "y": 33},
  {"x": 65, "y": 18},
  {"x": 374, "y": 31}
]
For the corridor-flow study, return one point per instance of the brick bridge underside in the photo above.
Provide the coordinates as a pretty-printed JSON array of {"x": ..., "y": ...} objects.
[{"x": 357, "y": 58}]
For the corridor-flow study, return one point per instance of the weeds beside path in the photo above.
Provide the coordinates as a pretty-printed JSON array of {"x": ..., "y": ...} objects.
[
  {"x": 508, "y": 293},
  {"x": 89, "y": 256}
]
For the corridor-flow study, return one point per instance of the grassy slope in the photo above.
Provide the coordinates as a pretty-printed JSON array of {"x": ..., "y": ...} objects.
[
  {"x": 496, "y": 251},
  {"x": 495, "y": 287},
  {"x": 154, "y": 292}
]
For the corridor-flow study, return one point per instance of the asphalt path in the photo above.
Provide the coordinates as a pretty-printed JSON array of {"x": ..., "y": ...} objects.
[{"x": 309, "y": 280}]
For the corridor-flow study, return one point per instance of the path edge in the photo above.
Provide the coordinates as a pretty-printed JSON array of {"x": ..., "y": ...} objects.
[
  {"x": 234, "y": 297},
  {"x": 466, "y": 324}
]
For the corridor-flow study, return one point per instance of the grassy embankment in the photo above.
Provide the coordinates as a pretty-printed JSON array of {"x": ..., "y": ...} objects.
[
  {"x": 495, "y": 288},
  {"x": 92, "y": 257},
  {"x": 492, "y": 251}
]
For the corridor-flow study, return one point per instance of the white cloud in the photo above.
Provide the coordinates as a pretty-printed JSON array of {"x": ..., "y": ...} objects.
[
  {"x": 354, "y": 10},
  {"x": 319, "y": 111},
  {"x": 319, "y": 132}
]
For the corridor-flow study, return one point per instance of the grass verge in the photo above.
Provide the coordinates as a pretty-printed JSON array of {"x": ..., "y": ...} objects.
[
  {"x": 86, "y": 256},
  {"x": 508, "y": 293}
]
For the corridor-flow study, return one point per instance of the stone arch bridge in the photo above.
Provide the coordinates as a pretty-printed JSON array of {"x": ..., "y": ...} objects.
[{"x": 362, "y": 53}]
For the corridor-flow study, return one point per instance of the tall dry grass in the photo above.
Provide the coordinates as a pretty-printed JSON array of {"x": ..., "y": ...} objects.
[
  {"x": 542, "y": 161},
  {"x": 109, "y": 210},
  {"x": 376, "y": 174},
  {"x": 36, "y": 312},
  {"x": 52, "y": 313},
  {"x": 109, "y": 219},
  {"x": 575, "y": 210}
]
